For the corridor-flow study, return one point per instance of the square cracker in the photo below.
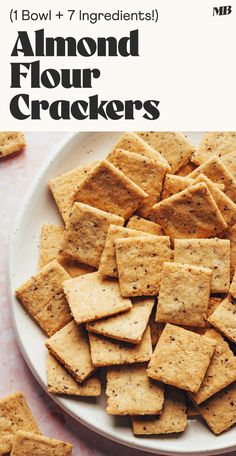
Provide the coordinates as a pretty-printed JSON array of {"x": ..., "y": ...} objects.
[
  {"x": 129, "y": 391},
  {"x": 15, "y": 415},
  {"x": 215, "y": 170},
  {"x": 108, "y": 189},
  {"x": 140, "y": 262},
  {"x": 132, "y": 142},
  {"x": 229, "y": 161},
  {"x": 221, "y": 371},
  {"x": 11, "y": 142},
  {"x": 191, "y": 213},
  {"x": 50, "y": 245},
  {"x": 208, "y": 253},
  {"x": 27, "y": 443},
  {"x": 184, "y": 294},
  {"x": 174, "y": 184},
  {"x": 43, "y": 298},
  {"x": 215, "y": 143},
  {"x": 64, "y": 186},
  {"x": 128, "y": 326},
  {"x": 219, "y": 411},
  {"x": 93, "y": 296},
  {"x": 85, "y": 234},
  {"x": 173, "y": 146},
  {"x": 145, "y": 172},
  {"x": 181, "y": 358},
  {"x": 108, "y": 352},
  {"x": 224, "y": 318},
  {"x": 60, "y": 381},
  {"x": 172, "y": 419},
  {"x": 141, "y": 224},
  {"x": 70, "y": 347},
  {"x": 107, "y": 264}
]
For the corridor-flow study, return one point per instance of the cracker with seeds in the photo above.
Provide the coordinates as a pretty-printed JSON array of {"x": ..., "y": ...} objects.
[
  {"x": 221, "y": 371},
  {"x": 172, "y": 419},
  {"x": 107, "y": 264},
  {"x": 140, "y": 262},
  {"x": 15, "y": 415},
  {"x": 186, "y": 169},
  {"x": 181, "y": 358},
  {"x": 147, "y": 173},
  {"x": 132, "y": 142},
  {"x": 230, "y": 234},
  {"x": 219, "y": 411},
  {"x": 173, "y": 146},
  {"x": 229, "y": 161},
  {"x": 216, "y": 144},
  {"x": 215, "y": 170},
  {"x": 70, "y": 347},
  {"x": 224, "y": 318},
  {"x": 208, "y": 253},
  {"x": 174, "y": 184},
  {"x": 60, "y": 381},
  {"x": 43, "y": 298},
  {"x": 93, "y": 296},
  {"x": 191, "y": 213},
  {"x": 130, "y": 391},
  {"x": 64, "y": 186},
  {"x": 27, "y": 443},
  {"x": 109, "y": 352},
  {"x": 213, "y": 303},
  {"x": 108, "y": 189},
  {"x": 127, "y": 326},
  {"x": 184, "y": 294},
  {"x": 85, "y": 235},
  {"x": 147, "y": 226},
  {"x": 50, "y": 244},
  {"x": 11, "y": 142}
]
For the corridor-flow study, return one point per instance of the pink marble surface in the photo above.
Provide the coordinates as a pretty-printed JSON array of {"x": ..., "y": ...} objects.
[{"x": 15, "y": 175}]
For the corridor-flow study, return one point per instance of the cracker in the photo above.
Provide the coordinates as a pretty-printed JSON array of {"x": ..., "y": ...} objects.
[
  {"x": 186, "y": 169},
  {"x": 27, "y": 443},
  {"x": 85, "y": 235},
  {"x": 108, "y": 352},
  {"x": 93, "y": 296},
  {"x": 229, "y": 161},
  {"x": 141, "y": 224},
  {"x": 11, "y": 142},
  {"x": 128, "y": 326},
  {"x": 70, "y": 347},
  {"x": 181, "y": 358},
  {"x": 226, "y": 206},
  {"x": 132, "y": 142},
  {"x": 172, "y": 419},
  {"x": 224, "y": 318},
  {"x": 215, "y": 143},
  {"x": 191, "y": 213},
  {"x": 50, "y": 244},
  {"x": 108, "y": 189},
  {"x": 43, "y": 298},
  {"x": 173, "y": 146},
  {"x": 208, "y": 253},
  {"x": 147, "y": 173},
  {"x": 64, "y": 186},
  {"x": 221, "y": 371},
  {"x": 230, "y": 234},
  {"x": 140, "y": 261},
  {"x": 107, "y": 264},
  {"x": 215, "y": 170},
  {"x": 184, "y": 294},
  {"x": 129, "y": 391},
  {"x": 214, "y": 301},
  {"x": 15, "y": 415},
  {"x": 219, "y": 411},
  {"x": 174, "y": 184},
  {"x": 60, "y": 381},
  {"x": 232, "y": 289}
]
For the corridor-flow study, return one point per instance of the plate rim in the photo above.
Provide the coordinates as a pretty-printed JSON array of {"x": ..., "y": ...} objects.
[{"x": 64, "y": 142}]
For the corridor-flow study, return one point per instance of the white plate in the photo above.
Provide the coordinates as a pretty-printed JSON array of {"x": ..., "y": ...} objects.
[{"x": 39, "y": 208}]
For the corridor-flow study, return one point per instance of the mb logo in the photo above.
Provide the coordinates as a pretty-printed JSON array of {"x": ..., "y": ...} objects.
[{"x": 222, "y": 10}]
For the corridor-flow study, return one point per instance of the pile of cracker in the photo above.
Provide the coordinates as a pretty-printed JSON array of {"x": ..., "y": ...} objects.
[
  {"x": 140, "y": 283},
  {"x": 20, "y": 434}
]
